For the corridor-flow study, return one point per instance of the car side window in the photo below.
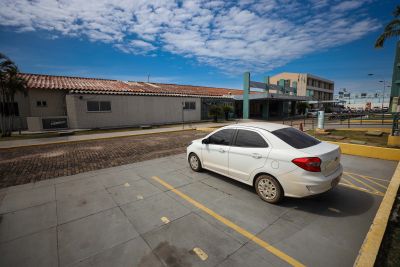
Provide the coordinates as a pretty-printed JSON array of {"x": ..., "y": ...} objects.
[
  {"x": 246, "y": 138},
  {"x": 222, "y": 137}
]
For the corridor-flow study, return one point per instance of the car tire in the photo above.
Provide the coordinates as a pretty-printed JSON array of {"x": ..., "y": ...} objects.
[
  {"x": 269, "y": 189},
  {"x": 194, "y": 162}
]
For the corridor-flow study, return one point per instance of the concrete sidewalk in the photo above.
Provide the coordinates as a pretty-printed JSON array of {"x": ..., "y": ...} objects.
[{"x": 87, "y": 137}]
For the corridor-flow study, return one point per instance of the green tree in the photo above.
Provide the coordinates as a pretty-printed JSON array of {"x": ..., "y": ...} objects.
[
  {"x": 10, "y": 84},
  {"x": 215, "y": 111},
  {"x": 227, "y": 109},
  {"x": 301, "y": 107},
  {"x": 392, "y": 29}
]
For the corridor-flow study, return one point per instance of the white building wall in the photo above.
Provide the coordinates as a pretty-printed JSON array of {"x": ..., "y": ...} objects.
[
  {"x": 55, "y": 100},
  {"x": 129, "y": 110}
]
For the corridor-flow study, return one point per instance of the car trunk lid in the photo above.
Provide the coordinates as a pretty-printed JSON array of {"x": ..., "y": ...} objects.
[{"x": 329, "y": 155}]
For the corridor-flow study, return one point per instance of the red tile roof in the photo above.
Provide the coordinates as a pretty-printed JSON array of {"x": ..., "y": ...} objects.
[{"x": 92, "y": 85}]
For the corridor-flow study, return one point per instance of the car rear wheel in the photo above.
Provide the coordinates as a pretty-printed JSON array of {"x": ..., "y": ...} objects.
[
  {"x": 268, "y": 188},
  {"x": 194, "y": 162}
]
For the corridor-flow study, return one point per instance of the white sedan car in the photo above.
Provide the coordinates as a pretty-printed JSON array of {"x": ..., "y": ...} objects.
[{"x": 276, "y": 159}]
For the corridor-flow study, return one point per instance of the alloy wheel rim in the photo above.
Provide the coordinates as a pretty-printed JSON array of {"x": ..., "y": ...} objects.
[
  {"x": 194, "y": 162},
  {"x": 267, "y": 188}
]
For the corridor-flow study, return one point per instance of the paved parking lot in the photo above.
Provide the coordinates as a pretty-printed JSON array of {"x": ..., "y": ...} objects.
[{"x": 160, "y": 213}]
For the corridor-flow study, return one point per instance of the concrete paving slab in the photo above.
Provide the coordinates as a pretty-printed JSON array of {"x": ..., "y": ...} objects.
[
  {"x": 76, "y": 207},
  {"x": 200, "y": 192},
  {"x": 252, "y": 218},
  {"x": 244, "y": 257},
  {"x": 134, "y": 191},
  {"x": 27, "y": 221},
  {"x": 367, "y": 166},
  {"x": 174, "y": 178},
  {"x": 174, "y": 243},
  {"x": 89, "y": 236},
  {"x": 39, "y": 249},
  {"x": 132, "y": 253},
  {"x": 119, "y": 177},
  {"x": 28, "y": 198},
  {"x": 78, "y": 187},
  {"x": 312, "y": 249},
  {"x": 151, "y": 211},
  {"x": 196, "y": 176},
  {"x": 19, "y": 188}
]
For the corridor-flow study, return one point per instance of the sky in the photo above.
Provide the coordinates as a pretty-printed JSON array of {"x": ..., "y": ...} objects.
[{"x": 201, "y": 42}]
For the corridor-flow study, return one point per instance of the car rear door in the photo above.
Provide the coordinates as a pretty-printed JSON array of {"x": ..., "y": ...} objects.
[
  {"x": 248, "y": 152},
  {"x": 215, "y": 154}
]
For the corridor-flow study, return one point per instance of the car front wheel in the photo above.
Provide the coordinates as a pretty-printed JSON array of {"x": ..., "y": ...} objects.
[
  {"x": 268, "y": 188},
  {"x": 194, "y": 162}
]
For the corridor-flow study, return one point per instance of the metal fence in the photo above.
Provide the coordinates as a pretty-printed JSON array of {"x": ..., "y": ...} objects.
[{"x": 346, "y": 120}]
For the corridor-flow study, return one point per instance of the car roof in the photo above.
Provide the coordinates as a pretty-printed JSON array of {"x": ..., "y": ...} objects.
[{"x": 268, "y": 126}]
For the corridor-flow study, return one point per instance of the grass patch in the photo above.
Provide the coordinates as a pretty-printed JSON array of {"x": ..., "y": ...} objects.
[{"x": 353, "y": 135}]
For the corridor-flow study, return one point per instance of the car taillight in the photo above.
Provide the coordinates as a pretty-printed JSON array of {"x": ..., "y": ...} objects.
[{"x": 308, "y": 164}]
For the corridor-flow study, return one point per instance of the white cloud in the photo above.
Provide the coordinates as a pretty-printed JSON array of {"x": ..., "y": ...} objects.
[{"x": 232, "y": 36}]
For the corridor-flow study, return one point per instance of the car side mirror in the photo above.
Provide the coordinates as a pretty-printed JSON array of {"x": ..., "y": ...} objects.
[{"x": 205, "y": 141}]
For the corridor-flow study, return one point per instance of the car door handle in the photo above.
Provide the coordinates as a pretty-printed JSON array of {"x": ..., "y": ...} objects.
[
  {"x": 256, "y": 155},
  {"x": 222, "y": 150}
]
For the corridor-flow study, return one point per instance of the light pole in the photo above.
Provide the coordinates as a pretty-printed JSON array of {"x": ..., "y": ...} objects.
[
  {"x": 383, "y": 92},
  {"x": 383, "y": 89}
]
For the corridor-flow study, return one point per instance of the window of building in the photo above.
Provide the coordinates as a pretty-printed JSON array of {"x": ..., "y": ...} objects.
[
  {"x": 222, "y": 137},
  {"x": 246, "y": 138},
  {"x": 190, "y": 105},
  {"x": 97, "y": 106},
  {"x": 41, "y": 103},
  {"x": 9, "y": 109}
]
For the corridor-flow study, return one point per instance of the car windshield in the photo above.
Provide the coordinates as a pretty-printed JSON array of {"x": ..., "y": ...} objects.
[{"x": 295, "y": 138}]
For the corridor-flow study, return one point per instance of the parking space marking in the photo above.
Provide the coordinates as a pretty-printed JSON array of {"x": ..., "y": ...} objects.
[
  {"x": 199, "y": 252},
  {"x": 230, "y": 224},
  {"x": 164, "y": 220},
  {"x": 362, "y": 190},
  {"x": 378, "y": 184},
  {"x": 364, "y": 183},
  {"x": 365, "y": 176},
  {"x": 349, "y": 182}
]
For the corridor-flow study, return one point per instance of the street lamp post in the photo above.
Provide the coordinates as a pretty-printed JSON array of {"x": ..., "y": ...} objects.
[{"x": 383, "y": 92}]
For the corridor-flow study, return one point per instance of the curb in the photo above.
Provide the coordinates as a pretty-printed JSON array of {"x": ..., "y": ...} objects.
[
  {"x": 372, "y": 242},
  {"x": 95, "y": 139},
  {"x": 369, "y": 151},
  {"x": 385, "y": 130}
]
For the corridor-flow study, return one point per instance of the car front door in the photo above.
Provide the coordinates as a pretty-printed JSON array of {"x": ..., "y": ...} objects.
[
  {"x": 215, "y": 153},
  {"x": 248, "y": 152}
]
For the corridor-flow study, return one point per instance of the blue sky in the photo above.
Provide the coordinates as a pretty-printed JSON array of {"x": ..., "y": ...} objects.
[{"x": 200, "y": 42}]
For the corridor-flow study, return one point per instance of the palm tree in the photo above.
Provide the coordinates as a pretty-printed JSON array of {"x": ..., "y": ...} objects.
[
  {"x": 392, "y": 29},
  {"x": 10, "y": 84}
]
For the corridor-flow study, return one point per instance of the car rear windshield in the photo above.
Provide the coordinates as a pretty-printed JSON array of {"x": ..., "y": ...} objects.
[{"x": 295, "y": 138}]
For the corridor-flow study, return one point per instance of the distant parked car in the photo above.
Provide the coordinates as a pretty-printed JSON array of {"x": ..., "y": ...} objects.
[
  {"x": 312, "y": 113},
  {"x": 276, "y": 159},
  {"x": 385, "y": 109}
]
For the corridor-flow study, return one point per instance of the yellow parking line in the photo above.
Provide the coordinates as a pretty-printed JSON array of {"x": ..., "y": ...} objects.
[
  {"x": 362, "y": 189},
  {"x": 362, "y": 182},
  {"x": 231, "y": 225},
  {"x": 365, "y": 176},
  {"x": 372, "y": 181},
  {"x": 348, "y": 181}
]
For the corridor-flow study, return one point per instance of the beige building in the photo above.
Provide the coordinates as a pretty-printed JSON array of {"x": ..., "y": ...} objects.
[
  {"x": 306, "y": 84},
  {"x": 60, "y": 102}
]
